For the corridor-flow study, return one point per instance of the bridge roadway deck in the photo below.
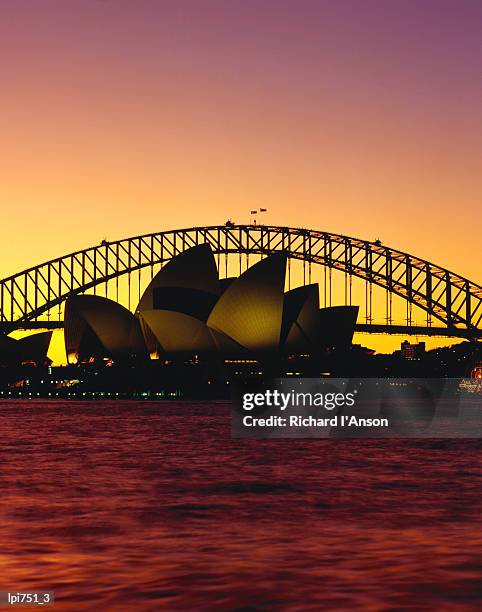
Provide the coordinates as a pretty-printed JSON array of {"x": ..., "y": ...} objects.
[{"x": 373, "y": 328}]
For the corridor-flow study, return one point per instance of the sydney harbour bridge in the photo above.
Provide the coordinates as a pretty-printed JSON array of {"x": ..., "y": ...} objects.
[{"x": 450, "y": 303}]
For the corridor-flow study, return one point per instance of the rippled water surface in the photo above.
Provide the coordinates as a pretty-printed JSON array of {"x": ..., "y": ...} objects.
[{"x": 152, "y": 506}]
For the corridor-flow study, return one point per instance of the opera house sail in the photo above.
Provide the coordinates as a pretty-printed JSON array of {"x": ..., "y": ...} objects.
[
  {"x": 301, "y": 325},
  {"x": 187, "y": 310},
  {"x": 97, "y": 327},
  {"x": 188, "y": 283},
  {"x": 250, "y": 311},
  {"x": 31, "y": 350}
]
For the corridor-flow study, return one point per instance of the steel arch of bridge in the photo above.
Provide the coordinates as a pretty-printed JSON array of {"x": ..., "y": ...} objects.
[{"x": 455, "y": 301}]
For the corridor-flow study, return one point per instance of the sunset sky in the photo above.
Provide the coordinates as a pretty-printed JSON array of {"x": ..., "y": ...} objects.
[{"x": 121, "y": 117}]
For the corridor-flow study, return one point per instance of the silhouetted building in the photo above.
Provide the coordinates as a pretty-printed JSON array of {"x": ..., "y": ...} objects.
[
  {"x": 188, "y": 311},
  {"x": 31, "y": 350},
  {"x": 96, "y": 327},
  {"x": 337, "y": 325},
  {"x": 412, "y": 352}
]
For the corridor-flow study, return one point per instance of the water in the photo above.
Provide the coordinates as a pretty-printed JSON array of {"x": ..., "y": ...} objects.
[{"x": 152, "y": 506}]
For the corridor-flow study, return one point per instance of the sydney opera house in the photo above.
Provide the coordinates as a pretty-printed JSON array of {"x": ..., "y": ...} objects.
[
  {"x": 31, "y": 350},
  {"x": 188, "y": 311}
]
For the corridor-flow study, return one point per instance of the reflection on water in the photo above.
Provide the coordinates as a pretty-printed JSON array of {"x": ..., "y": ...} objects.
[{"x": 152, "y": 506}]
